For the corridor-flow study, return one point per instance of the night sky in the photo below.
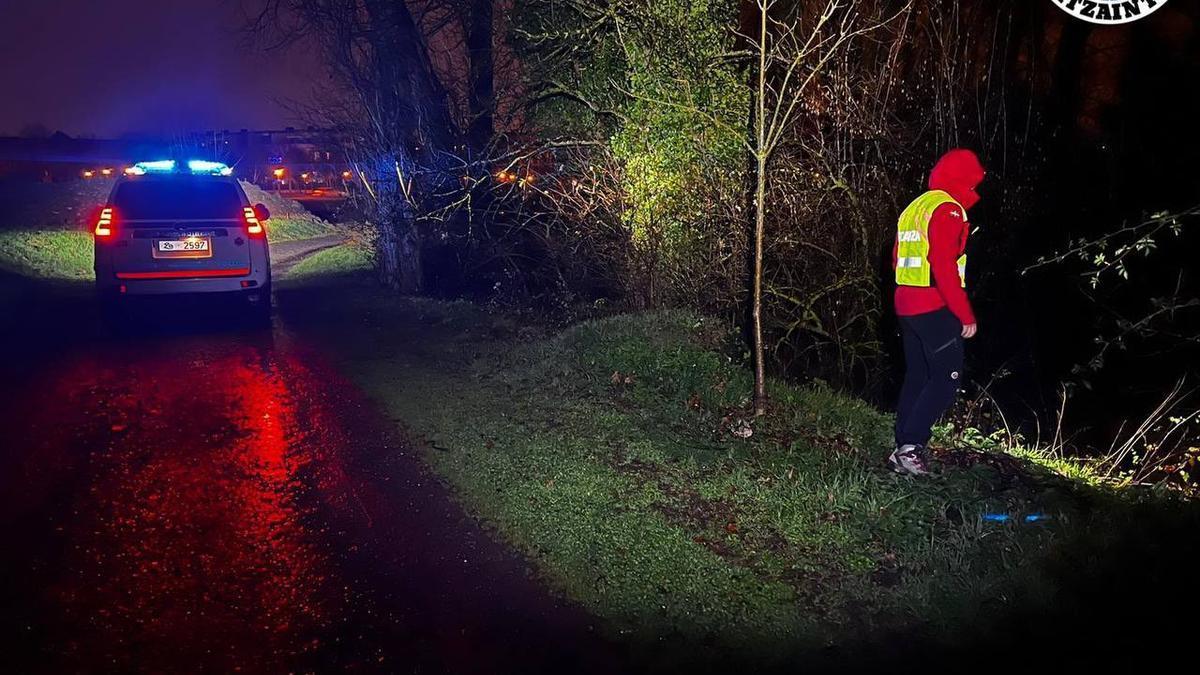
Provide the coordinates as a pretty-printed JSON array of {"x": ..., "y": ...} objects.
[{"x": 111, "y": 67}]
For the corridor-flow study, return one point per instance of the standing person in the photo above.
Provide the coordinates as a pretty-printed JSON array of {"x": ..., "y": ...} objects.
[{"x": 931, "y": 300}]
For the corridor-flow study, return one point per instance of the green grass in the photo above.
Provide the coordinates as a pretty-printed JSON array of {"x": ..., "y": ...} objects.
[
  {"x": 47, "y": 254},
  {"x": 293, "y": 228},
  {"x": 607, "y": 454},
  {"x": 613, "y": 443},
  {"x": 346, "y": 259}
]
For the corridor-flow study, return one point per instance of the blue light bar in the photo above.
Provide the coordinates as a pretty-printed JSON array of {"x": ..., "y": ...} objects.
[
  {"x": 207, "y": 167},
  {"x": 159, "y": 166},
  {"x": 195, "y": 166}
]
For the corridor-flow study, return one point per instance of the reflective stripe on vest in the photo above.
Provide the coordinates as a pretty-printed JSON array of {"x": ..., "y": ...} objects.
[{"x": 912, "y": 240}]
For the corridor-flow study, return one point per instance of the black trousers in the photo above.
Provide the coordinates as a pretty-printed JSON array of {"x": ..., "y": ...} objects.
[{"x": 933, "y": 362}]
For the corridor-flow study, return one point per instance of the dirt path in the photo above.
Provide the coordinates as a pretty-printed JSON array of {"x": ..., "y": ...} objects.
[
  {"x": 286, "y": 254},
  {"x": 205, "y": 497}
]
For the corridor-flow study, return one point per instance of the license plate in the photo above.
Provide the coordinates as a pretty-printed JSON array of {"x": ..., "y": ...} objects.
[{"x": 189, "y": 247}]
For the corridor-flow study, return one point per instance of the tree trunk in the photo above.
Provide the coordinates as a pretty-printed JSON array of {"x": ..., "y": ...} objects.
[
  {"x": 410, "y": 273},
  {"x": 411, "y": 100},
  {"x": 387, "y": 255},
  {"x": 1066, "y": 85},
  {"x": 760, "y": 217},
  {"x": 479, "y": 47},
  {"x": 399, "y": 250}
]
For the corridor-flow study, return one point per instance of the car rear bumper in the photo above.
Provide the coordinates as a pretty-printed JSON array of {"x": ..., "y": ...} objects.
[
  {"x": 164, "y": 275},
  {"x": 248, "y": 271},
  {"x": 159, "y": 284}
]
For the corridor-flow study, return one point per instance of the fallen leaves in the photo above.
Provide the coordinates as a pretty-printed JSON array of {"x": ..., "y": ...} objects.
[
  {"x": 618, "y": 378},
  {"x": 741, "y": 428}
]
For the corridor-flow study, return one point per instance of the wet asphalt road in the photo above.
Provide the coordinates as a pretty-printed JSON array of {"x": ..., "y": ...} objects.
[{"x": 209, "y": 497}]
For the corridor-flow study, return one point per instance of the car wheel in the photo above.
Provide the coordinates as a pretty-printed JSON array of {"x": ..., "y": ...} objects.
[
  {"x": 260, "y": 306},
  {"x": 113, "y": 312}
]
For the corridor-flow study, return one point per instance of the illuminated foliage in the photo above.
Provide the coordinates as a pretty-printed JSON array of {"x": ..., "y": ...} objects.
[
  {"x": 675, "y": 157},
  {"x": 634, "y": 79}
]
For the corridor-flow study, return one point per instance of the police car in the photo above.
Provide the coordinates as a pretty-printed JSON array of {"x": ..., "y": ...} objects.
[{"x": 176, "y": 227}]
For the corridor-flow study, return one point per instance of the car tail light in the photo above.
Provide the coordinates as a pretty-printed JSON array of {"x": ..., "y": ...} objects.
[
  {"x": 254, "y": 228},
  {"x": 104, "y": 224}
]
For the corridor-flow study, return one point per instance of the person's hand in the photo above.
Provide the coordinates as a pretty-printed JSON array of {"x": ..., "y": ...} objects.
[{"x": 969, "y": 330}]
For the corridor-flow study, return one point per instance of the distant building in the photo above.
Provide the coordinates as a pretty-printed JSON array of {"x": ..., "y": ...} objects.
[{"x": 306, "y": 156}]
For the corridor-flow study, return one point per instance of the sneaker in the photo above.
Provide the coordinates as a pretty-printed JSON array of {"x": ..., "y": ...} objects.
[{"x": 909, "y": 460}]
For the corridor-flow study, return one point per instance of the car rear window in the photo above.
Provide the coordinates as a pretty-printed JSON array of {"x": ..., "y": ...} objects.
[{"x": 181, "y": 199}]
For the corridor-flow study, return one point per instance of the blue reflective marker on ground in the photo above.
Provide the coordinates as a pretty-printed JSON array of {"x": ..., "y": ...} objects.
[{"x": 1004, "y": 517}]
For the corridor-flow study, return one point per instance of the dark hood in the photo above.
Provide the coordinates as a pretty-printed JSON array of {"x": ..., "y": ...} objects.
[{"x": 959, "y": 173}]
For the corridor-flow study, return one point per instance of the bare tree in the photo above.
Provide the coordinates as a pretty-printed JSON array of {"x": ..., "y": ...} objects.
[
  {"x": 792, "y": 47},
  {"x": 395, "y": 113},
  {"x": 784, "y": 48}
]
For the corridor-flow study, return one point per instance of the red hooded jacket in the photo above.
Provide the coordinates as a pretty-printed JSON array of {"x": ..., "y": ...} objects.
[{"x": 958, "y": 172}]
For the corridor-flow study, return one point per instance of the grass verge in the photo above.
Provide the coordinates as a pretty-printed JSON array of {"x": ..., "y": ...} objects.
[
  {"x": 619, "y": 456},
  {"x": 47, "y": 254},
  {"x": 347, "y": 259},
  {"x": 292, "y": 229}
]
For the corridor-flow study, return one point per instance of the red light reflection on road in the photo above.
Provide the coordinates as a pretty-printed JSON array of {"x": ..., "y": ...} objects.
[
  {"x": 222, "y": 503},
  {"x": 191, "y": 544}
]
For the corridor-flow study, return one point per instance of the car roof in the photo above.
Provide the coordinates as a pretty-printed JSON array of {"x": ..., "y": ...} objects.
[{"x": 177, "y": 178}]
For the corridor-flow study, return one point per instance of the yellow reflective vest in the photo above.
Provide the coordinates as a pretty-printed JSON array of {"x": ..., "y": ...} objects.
[{"x": 912, "y": 240}]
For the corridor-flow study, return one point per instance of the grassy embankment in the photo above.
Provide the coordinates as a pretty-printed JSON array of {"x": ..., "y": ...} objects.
[
  {"x": 613, "y": 455},
  {"x": 348, "y": 259}
]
